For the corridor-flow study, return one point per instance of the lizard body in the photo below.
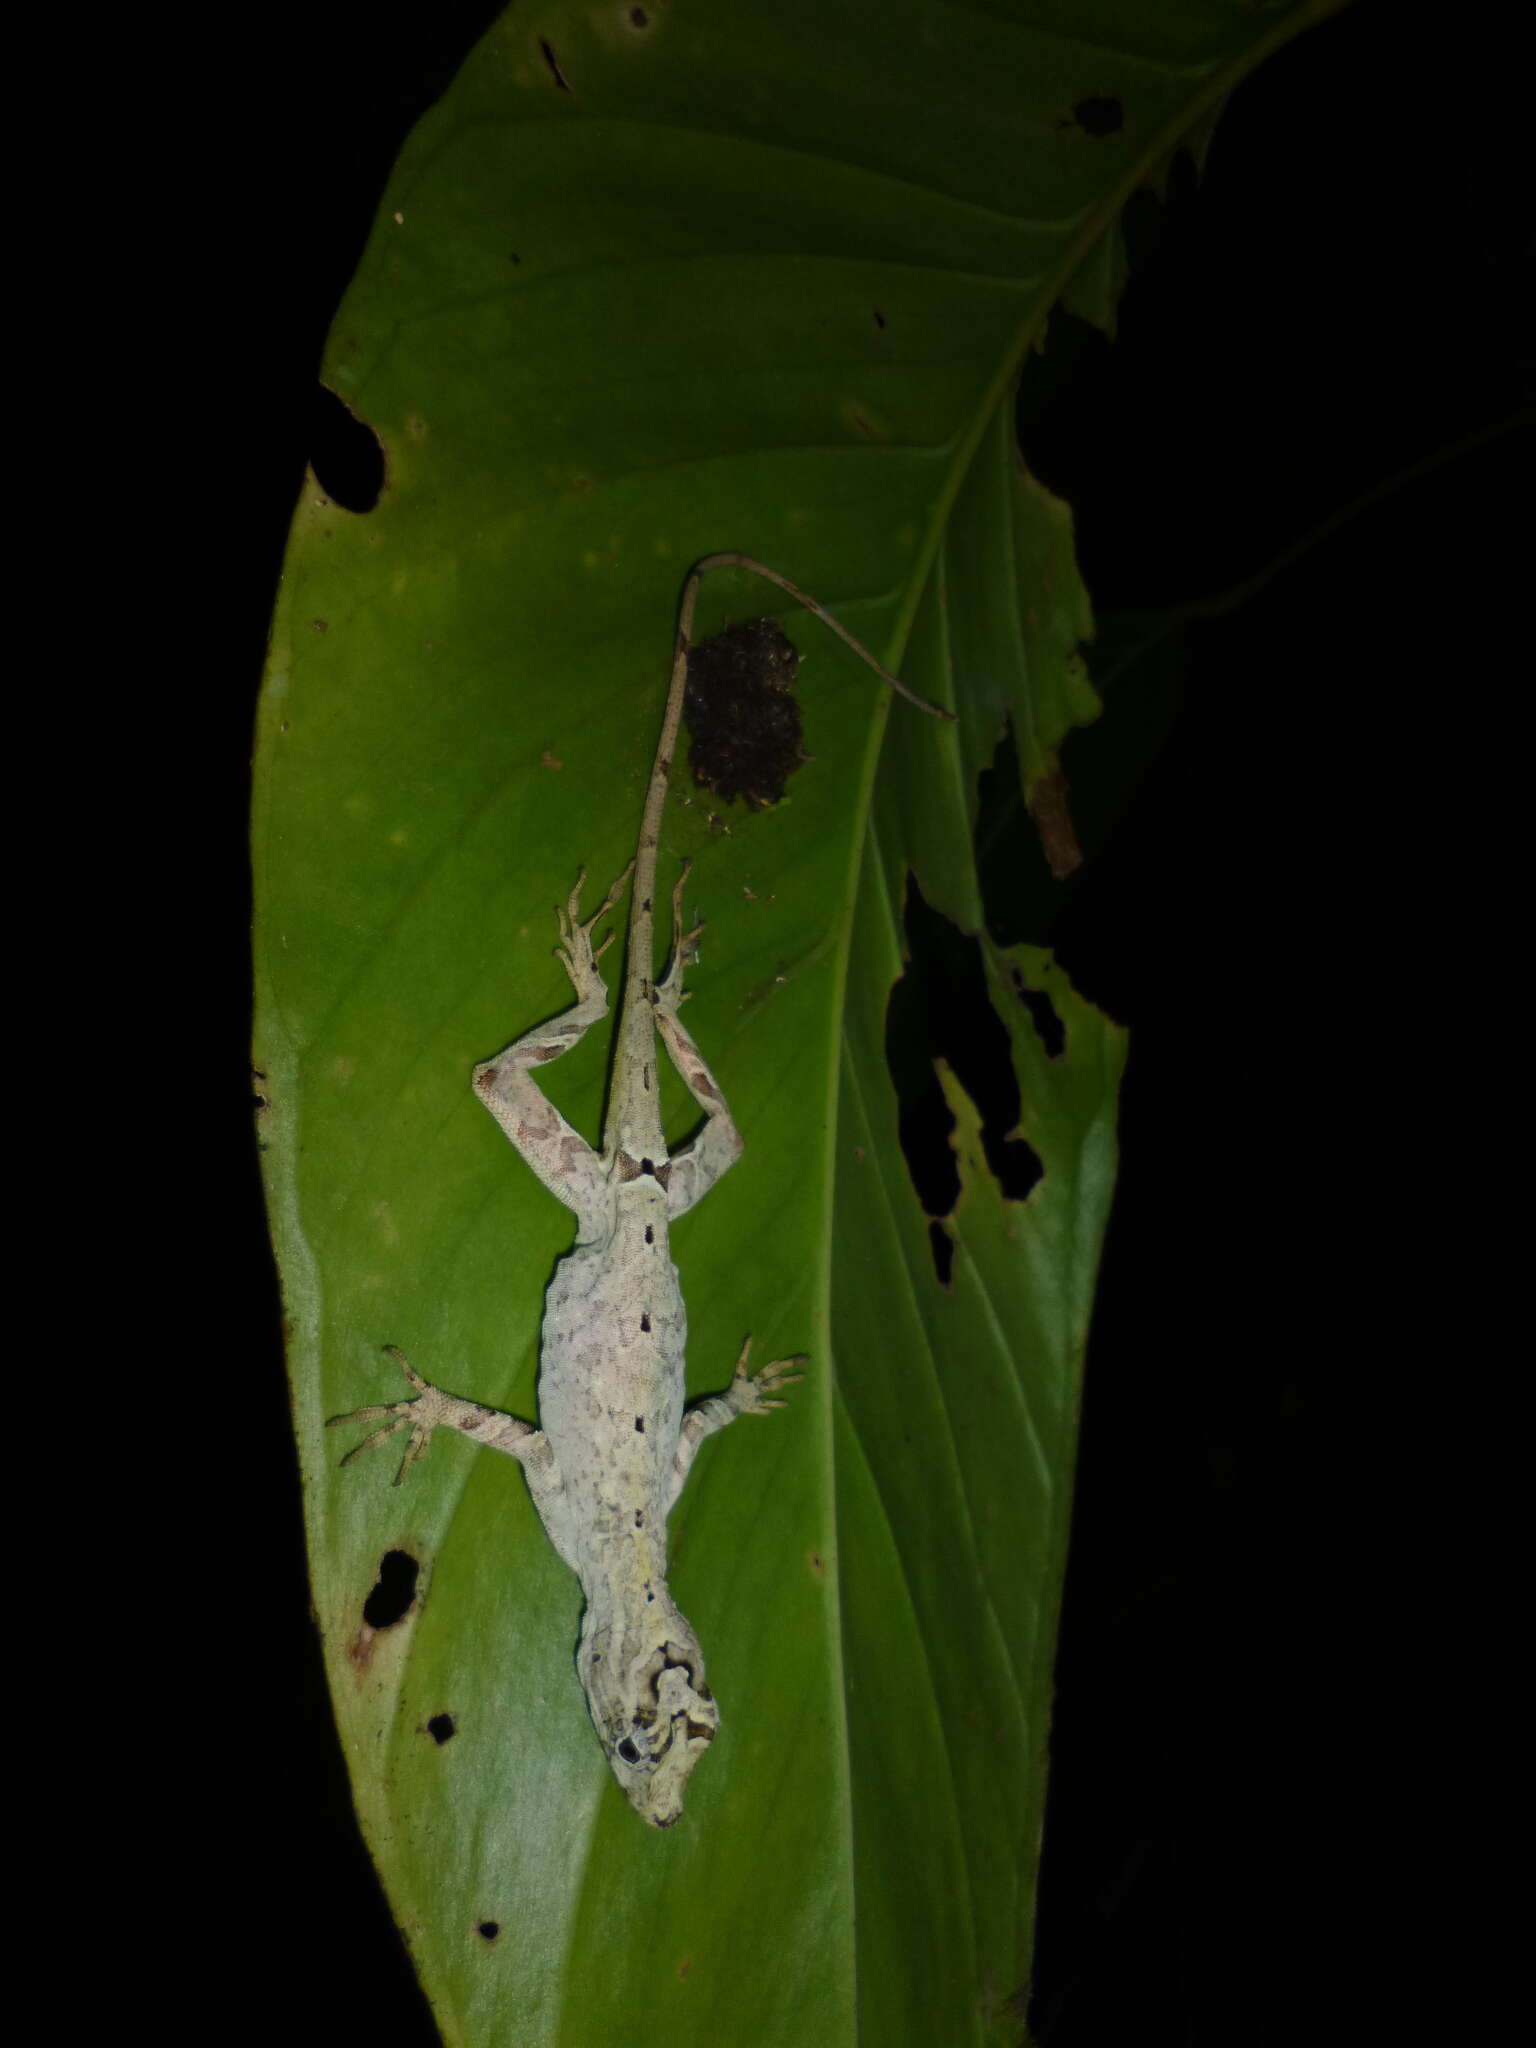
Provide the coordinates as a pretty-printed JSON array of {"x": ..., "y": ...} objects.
[{"x": 614, "y": 1443}]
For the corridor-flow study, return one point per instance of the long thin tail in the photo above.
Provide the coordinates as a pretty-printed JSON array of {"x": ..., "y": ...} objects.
[
  {"x": 732, "y": 560},
  {"x": 635, "y": 1016}
]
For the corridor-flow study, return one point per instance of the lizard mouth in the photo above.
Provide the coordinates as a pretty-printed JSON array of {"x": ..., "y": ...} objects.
[{"x": 654, "y": 1772}]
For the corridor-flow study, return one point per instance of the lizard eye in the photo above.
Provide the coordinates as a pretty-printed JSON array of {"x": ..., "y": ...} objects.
[{"x": 628, "y": 1751}]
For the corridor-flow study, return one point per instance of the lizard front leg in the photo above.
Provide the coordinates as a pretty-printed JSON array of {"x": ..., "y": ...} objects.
[
  {"x": 697, "y": 1165},
  {"x": 750, "y": 1393},
  {"x": 430, "y": 1408},
  {"x": 558, "y": 1154}
]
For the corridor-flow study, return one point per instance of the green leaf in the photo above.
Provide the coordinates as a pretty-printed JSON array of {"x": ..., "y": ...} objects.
[{"x": 648, "y": 284}]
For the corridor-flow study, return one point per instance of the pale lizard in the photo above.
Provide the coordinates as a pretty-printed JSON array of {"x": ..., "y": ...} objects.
[{"x": 614, "y": 1444}]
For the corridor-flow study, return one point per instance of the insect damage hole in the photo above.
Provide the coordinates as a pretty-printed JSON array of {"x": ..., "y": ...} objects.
[
  {"x": 1099, "y": 115},
  {"x": 1024, "y": 852},
  {"x": 554, "y": 66},
  {"x": 940, "y": 1010},
  {"x": 394, "y": 1590},
  {"x": 442, "y": 1728},
  {"x": 345, "y": 453},
  {"x": 1044, "y": 1015},
  {"x": 942, "y": 1245}
]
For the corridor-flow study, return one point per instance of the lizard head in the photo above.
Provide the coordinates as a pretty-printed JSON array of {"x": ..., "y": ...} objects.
[{"x": 653, "y": 1712}]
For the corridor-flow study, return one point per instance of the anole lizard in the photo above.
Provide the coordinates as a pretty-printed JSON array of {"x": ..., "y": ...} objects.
[{"x": 614, "y": 1444}]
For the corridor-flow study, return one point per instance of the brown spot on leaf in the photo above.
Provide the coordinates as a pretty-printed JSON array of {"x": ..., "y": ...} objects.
[{"x": 1053, "y": 821}]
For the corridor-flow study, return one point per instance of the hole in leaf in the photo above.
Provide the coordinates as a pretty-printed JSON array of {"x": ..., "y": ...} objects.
[
  {"x": 1042, "y": 1011},
  {"x": 441, "y": 1729},
  {"x": 1021, "y": 897},
  {"x": 488, "y": 1929},
  {"x": 943, "y": 1248},
  {"x": 1099, "y": 115},
  {"x": 940, "y": 1010},
  {"x": 345, "y": 453},
  {"x": 554, "y": 66},
  {"x": 394, "y": 1591}
]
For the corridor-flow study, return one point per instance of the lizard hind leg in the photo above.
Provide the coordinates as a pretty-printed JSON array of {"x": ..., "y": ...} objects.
[
  {"x": 577, "y": 953},
  {"x": 697, "y": 1165},
  {"x": 685, "y": 948}
]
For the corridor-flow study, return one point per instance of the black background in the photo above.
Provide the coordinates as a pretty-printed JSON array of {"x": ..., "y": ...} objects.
[{"x": 1276, "y": 1740}]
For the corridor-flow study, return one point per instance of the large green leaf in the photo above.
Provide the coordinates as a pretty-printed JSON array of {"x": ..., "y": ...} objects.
[{"x": 650, "y": 283}]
